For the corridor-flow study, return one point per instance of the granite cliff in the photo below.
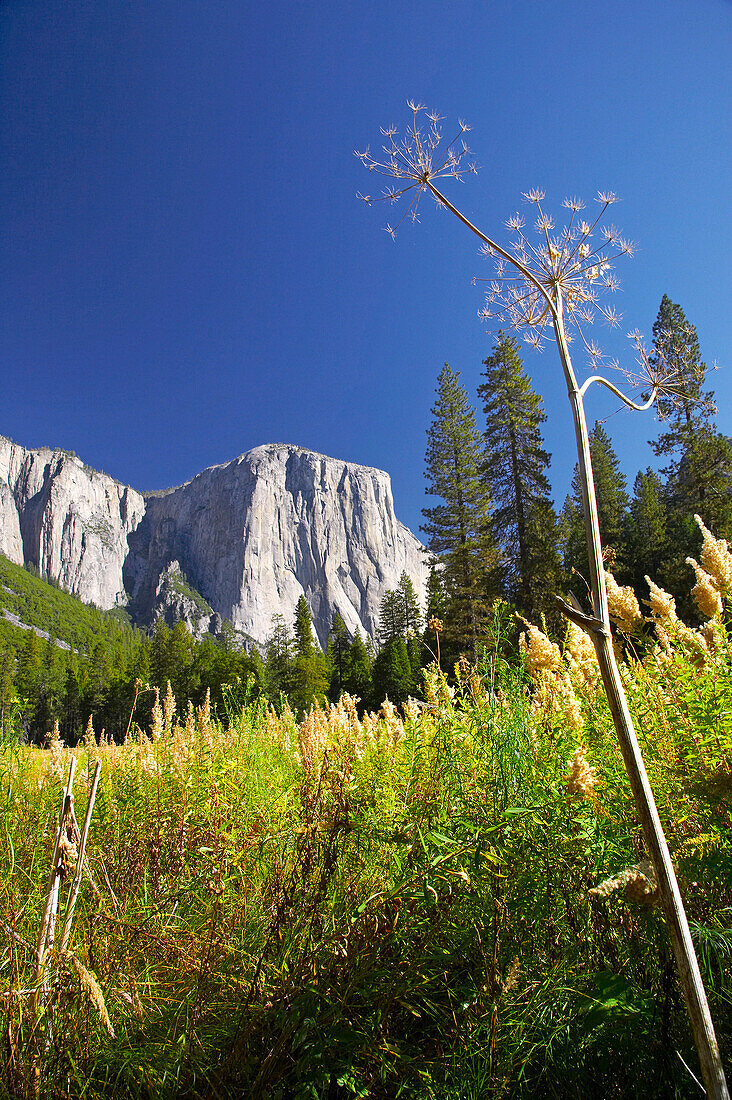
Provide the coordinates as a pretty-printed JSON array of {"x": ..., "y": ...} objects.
[{"x": 240, "y": 541}]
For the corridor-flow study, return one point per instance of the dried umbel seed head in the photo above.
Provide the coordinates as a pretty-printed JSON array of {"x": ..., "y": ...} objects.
[
  {"x": 539, "y": 652},
  {"x": 705, "y": 592},
  {"x": 436, "y": 625},
  {"x": 716, "y": 559},
  {"x": 662, "y": 604},
  {"x": 623, "y": 605},
  {"x": 581, "y": 777}
]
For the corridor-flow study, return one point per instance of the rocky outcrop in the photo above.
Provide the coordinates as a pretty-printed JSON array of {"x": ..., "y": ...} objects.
[
  {"x": 255, "y": 534},
  {"x": 69, "y": 521},
  {"x": 242, "y": 540},
  {"x": 177, "y": 601}
]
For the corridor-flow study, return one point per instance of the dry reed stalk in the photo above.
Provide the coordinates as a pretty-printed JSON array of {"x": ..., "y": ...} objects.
[
  {"x": 54, "y": 879},
  {"x": 74, "y": 892}
]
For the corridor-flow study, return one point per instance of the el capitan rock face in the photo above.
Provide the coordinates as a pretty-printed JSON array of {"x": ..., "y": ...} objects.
[
  {"x": 251, "y": 535},
  {"x": 67, "y": 520}
]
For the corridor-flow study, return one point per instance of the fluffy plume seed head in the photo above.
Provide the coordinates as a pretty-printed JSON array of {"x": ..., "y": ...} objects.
[
  {"x": 89, "y": 735},
  {"x": 639, "y": 884},
  {"x": 581, "y": 777},
  {"x": 623, "y": 605},
  {"x": 705, "y": 592},
  {"x": 91, "y": 987},
  {"x": 713, "y": 634},
  {"x": 158, "y": 723},
  {"x": 662, "y": 604},
  {"x": 538, "y": 650},
  {"x": 168, "y": 708},
  {"x": 579, "y": 653},
  {"x": 716, "y": 559}
]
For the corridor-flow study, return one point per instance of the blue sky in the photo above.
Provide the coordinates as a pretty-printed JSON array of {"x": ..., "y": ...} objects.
[{"x": 185, "y": 271}]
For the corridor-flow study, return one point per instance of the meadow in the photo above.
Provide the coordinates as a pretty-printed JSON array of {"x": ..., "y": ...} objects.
[{"x": 447, "y": 901}]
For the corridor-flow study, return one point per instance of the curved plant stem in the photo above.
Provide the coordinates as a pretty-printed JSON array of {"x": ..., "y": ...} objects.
[
  {"x": 597, "y": 625},
  {"x": 599, "y": 630}
]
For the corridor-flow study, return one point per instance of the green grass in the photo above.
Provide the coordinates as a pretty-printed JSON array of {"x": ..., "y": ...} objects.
[{"x": 384, "y": 909}]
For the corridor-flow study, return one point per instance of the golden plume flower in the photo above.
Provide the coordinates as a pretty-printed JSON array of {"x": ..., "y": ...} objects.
[
  {"x": 539, "y": 652},
  {"x": 623, "y": 605},
  {"x": 581, "y": 777},
  {"x": 716, "y": 559},
  {"x": 168, "y": 708},
  {"x": 91, "y": 987},
  {"x": 705, "y": 592},
  {"x": 579, "y": 653},
  {"x": 638, "y": 882},
  {"x": 662, "y": 604},
  {"x": 157, "y": 718}
]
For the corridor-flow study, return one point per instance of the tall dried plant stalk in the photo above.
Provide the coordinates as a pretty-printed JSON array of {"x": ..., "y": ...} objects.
[{"x": 552, "y": 285}]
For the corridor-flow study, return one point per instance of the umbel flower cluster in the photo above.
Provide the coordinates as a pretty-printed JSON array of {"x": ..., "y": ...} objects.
[
  {"x": 553, "y": 271},
  {"x": 574, "y": 261}
]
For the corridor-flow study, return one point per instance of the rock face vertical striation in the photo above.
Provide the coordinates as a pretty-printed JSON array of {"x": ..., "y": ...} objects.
[
  {"x": 68, "y": 521},
  {"x": 278, "y": 522},
  {"x": 250, "y": 536}
]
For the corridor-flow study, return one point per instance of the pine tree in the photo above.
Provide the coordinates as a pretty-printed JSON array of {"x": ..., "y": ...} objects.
[
  {"x": 411, "y": 612},
  {"x": 393, "y": 676},
  {"x": 676, "y": 349},
  {"x": 699, "y": 471},
  {"x": 515, "y": 464},
  {"x": 339, "y": 649},
  {"x": 279, "y": 658},
  {"x": 310, "y": 670},
  {"x": 647, "y": 529},
  {"x": 304, "y": 643},
  {"x": 612, "y": 509},
  {"x": 391, "y": 617},
  {"x": 358, "y": 680},
  {"x": 458, "y": 530}
]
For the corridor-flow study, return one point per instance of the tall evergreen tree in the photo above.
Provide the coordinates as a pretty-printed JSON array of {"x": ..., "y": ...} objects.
[
  {"x": 676, "y": 349},
  {"x": 391, "y": 617},
  {"x": 647, "y": 529},
  {"x": 699, "y": 470},
  {"x": 358, "y": 680},
  {"x": 400, "y": 614},
  {"x": 279, "y": 658},
  {"x": 310, "y": 669},
  {"x": 411, "y": 611},
  {"x": 612, "y": 509},
  {"x": 458, "y": 530},
  {"x": 393, "y": 675},
  {"x": 304, "y": 643},
  {"x": 515, "y": 466},
  {"x": 339, "y": 651}
]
